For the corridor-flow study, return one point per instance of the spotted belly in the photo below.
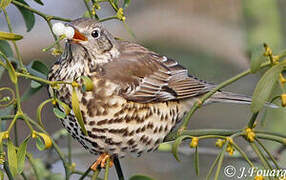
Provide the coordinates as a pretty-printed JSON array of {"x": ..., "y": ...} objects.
[{"x": 126, "y": 127}]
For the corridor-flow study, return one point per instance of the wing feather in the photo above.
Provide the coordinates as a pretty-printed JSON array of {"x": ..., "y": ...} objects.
[{"x": 145, "y": 76}]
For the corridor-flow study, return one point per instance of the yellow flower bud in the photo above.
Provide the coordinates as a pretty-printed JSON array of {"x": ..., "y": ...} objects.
[
  {"x": 219, "y": 143},
  {"x": 250, "y": 135},
  {"x": 283, "y": 100},
  {"x": 75, "y": 84},
  {"x": 259, "y": 178},
  {"x": 195, "y": 142},
  {"x": 282, "y": 79}
]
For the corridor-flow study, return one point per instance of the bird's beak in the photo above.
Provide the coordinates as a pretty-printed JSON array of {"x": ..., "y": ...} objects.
[{"x": 78, "y": 37}]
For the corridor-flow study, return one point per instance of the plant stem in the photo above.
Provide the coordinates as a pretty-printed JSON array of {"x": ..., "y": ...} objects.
[
  {"x": 252, "y": 120},
  {"x": 220, "y": 160},
  {"x": 118, "y": 168},
  {"x": 108, "y": 18},
  {"x": 13, "y": 42},
  {"x": 85, "y": 174},
  {"x": 43, "y": 15},
  {"x": 8, "y": 172},
  {"x": 88, "y": 8},
  {"x": 106, "y": 173},
  {"x": 210, "y": 93}
]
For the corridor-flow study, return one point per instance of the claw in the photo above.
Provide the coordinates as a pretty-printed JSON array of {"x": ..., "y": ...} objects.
[{"x": 101, "y": 161}]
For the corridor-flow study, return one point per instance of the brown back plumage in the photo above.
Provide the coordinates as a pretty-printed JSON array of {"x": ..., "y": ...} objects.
[{"x": 145, "y": 76}]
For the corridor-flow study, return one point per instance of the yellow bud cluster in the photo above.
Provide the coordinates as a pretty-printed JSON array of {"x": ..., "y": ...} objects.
[
  {"x": 250, "y": 135},
  {"x": 75, "y": 84},
  {"x": 283, "y": 99},
  {"x": 230, "y": 149},
  {"x": 259, "y": 178},
  {"x": 219, "y": 143},
  {"x": 56, "y": 52},
  {"x": 120, "y": 15},
  {"x": 194, "y": 143}
]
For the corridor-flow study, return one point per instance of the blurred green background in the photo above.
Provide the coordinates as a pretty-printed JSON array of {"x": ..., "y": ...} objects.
[{"x": 212, "y": 39}]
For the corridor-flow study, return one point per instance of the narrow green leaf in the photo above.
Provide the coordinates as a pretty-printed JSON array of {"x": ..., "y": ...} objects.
[
  {"x": 10, "y": 36},
  {"x": 140, "y": 177},
  {"x": 265, "y": 86},
  {"x": 59, "y": 113},
  {"x": 39, "y": 2},
  {"x": 6, "y": 48},
  {"x": 197, "y": 162},
  {"x": 40, "y": 144},
  {"x": 65, "y": 106},
  {"x": 257, "y": 58},
  {"x": 77, "y": 112},
  {"x": 21, "y": 155},
  {"x": 4, "y": 3},
  {"x": 28, "y": 16},
  {"x": 35, "y": 84},
  {"x": 126, "y": 3},
  {"x": 1, "y": 175},
  {"x": 39, "y": 110},
  {"x": 39, "y": 69},
  {"x": 176, "y": 145},
  {"x": 11, "y": 71},
  {"x": 12, "y": 158},
  {"x": 87, "y": 83}
]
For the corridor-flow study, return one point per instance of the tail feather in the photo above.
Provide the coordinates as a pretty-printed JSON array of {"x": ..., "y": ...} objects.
[{"x": 229, "y": 97}]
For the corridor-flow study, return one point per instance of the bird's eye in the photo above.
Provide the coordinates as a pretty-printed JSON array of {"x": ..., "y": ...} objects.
[{"x": 95, "y": 33}]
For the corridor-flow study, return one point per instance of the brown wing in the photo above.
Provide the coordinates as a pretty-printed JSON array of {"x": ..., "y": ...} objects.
[{"x": 145, "y": 76}]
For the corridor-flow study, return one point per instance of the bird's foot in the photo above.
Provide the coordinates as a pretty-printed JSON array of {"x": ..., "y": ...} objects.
[{"x": 102, "y": 161}]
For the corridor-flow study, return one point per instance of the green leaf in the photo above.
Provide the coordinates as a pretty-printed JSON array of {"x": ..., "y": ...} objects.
[
  {"x": 196, "y": 161},
  {"x": 12, "y": 158},
  {"x": 21, "y": 155},
  {"x": 60, "y": 114},
  {"x": 39, "y": 2},
  {"x": 77, "y": 112},
  {"x": 176, "y": 145},
  {"x": 39, "y": 110},
  {"x": 40, "y": 144},
  {"x": 11, "y": 71},
  {"x": 6, "y": 48},
  {"x": 87, "y": 83},
  {"x": 140, "y": 177},
  {"x": 65, "y": 106},
  {"x": 126, "y": 3},
  {"x": 39, "y": 69},
  {"x": 28, "y": 16},
  {"x": 265, "y": 86},
  {"x": 35, "y": 84},
  {"x": 10, "y": 36},
  {"x": 4, "y": 3},
  {"x": 1, "y": 175},
  {"x": 46, "y": 138},
  {"x": 257, "y": 58}
]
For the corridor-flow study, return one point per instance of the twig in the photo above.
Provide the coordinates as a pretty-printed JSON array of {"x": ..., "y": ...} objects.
[
  {"x": 210, "y": 93},
  {"x": 118, "y": 168}
]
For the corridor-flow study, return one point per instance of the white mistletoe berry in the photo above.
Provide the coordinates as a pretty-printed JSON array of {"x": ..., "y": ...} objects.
[
  {"x": 59, "y": 29},
  {"x": 69, "y": 32}
]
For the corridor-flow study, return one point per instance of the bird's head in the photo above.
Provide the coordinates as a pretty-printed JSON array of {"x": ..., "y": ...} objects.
[{"x": 91, "y": 35}]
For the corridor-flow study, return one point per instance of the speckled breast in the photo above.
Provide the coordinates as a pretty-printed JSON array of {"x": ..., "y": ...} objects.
[{"x": 118, "y": 126}]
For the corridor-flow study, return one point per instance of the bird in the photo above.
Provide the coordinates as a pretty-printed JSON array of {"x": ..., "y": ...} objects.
[{"x": 139, "y": 96}]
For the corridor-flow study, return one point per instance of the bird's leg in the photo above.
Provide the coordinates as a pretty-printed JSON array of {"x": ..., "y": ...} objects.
[{"x": 101, "y": 161}]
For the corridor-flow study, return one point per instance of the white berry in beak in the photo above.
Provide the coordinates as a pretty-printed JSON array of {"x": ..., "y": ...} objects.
[
  {"x": 69, "y": 32},
  {"x": 59, "y": 29}
]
